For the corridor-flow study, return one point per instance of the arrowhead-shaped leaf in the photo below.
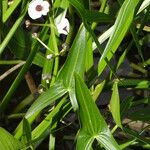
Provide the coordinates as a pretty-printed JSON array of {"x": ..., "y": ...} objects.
[{"x": 93, "y": 125}]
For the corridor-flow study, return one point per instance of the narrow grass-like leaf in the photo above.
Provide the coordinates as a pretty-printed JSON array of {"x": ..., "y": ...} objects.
[
  {"x": 115, "y": 104},
  {"x": 120, "y": 28},
  {"x": 89, "y": 53},
  {"x": 21, "y": 74},
  {"x": 26, "y": 138},
  {"x": 45, "y": 124},
  {"x": 10, "y": 10},
  {"x": 102, "y": 38},
  {"x": 12, "y": 30},
  {"x": 134, "y": 83},
  {"x": 136, "y": 135},
  {"x": 93, "y": 125},
  {"x": 8, "y": 142},
  {"x": 4, "y": 6}
]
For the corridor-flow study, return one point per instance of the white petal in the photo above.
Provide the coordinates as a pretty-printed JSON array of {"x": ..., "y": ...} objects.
[
  {"x": 34, "y": 15},
  {"x": 45, "y": 4},
  {"x": 63, "y": 27}
]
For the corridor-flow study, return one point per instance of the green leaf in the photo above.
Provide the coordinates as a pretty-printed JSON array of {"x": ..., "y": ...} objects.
[
  {"x": 90, "y": 16},
  {"x": 20, "y": 44},
  {"x": 98, "y": 90},
  {"x": 93, "y": 125},
  {"x": 56, "y": 91},
  {"x": 7, "y": 12},
  {"x": 13, "y": 30},
  {"x": 8, "y": 142},
  {"x": 39, "y": 59},
  {"x": 115, "y": 104},
  {"x": 120, "y": 28},
  {"x": 75, "y": 63},
  {"x": 26, "y": 138},
  {"x": 48, "y": 121},
  {"x": 89, "y": 53}
]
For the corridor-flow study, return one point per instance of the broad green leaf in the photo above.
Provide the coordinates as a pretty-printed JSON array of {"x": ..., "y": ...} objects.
[
  {"x": 90, "y": 16},
  {"x": 8, "y": 142},
  {"x": 61, "y": 4},
  {"x": 45, "y": 99},
  {"x": 115, "y": 104},
  {"x": 75, "y": 63},
  {"x": 93, "y": 125},
  {"x": 120, "y": 28},
  {"x": 20, "y": 44}
]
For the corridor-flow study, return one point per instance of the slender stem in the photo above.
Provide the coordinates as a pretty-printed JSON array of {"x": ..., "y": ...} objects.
[
  {"x": 16, "y": 116},
  {"x": 114, "y": 129},
  {"x": 10, "y": 62},
  {"x": 56, "y": 63},
  {"x": 8, "y": 72}
]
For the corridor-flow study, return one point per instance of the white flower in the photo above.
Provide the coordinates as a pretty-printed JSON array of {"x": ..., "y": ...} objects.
[
  {"x": 62, "y": 24},
  {"x": 37, "y": 8}
]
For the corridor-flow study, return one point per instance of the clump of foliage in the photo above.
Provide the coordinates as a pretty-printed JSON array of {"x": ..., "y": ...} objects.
[{"x": 56, "y": 98}]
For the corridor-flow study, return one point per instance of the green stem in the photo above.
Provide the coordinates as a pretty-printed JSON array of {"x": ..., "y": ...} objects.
[
  {"x": 16, "y": 116},
  {"x": 114, "y": 129}
]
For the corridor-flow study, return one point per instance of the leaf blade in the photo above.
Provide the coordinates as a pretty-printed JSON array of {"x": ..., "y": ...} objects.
[{"x": 92, "y": 123}]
